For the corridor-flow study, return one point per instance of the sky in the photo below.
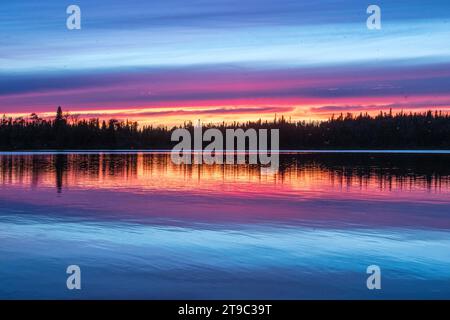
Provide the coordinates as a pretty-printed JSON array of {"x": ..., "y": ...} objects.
[{"x": 171, "y": 61}]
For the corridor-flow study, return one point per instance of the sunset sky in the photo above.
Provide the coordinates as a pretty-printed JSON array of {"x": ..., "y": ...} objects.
[{"x": 169, "y": 61}]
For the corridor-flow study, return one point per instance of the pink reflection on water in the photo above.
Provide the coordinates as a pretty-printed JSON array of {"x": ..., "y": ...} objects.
[{"x": 305, "y": 190}]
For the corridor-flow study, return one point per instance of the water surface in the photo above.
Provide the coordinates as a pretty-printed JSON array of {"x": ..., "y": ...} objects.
[{"x": 142, "y": 227}]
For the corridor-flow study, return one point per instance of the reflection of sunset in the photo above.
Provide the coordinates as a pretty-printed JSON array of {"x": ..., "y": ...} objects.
[
  {"x": 140, "y": 214},
  {"x": 342, "y": 190},
  {"x": 156, "y": 173}
]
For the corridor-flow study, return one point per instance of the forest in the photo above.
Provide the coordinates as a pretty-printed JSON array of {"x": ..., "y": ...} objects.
[{"x": 426, "y": 130}]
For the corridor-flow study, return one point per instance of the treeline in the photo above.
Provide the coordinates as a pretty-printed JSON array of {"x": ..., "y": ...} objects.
[{"x": 429, "y": 130}]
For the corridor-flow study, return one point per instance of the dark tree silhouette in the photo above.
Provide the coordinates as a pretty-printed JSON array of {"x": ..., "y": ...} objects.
[
  {"x": 59, "y": 120},
  {"x": 60, "y": 129},
  {"x": 429, "y": 130}
]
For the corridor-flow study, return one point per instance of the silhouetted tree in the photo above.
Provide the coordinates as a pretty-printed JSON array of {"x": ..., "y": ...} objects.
[{"x": 386, "y": 130}]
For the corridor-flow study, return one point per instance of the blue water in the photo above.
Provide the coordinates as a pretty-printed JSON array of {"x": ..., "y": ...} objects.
[{"x": 140, "y": 227}]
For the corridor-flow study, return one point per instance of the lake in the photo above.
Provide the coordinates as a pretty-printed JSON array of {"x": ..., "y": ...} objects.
[{"x": 141, "y": 227}]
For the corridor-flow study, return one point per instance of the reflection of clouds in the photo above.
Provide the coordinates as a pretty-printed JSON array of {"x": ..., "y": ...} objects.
[
  {"x": 309, "y": 189},
  {"x": 297, "y": 173}
]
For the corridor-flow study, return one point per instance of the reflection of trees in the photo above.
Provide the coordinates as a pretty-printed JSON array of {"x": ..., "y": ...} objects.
[
  {"x": 340, "y": 170},
  {"x": 60, "y": 161}
]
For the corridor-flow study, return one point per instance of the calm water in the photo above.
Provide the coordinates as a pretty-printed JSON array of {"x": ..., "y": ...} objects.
[{"x": 141, "y": 227}]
